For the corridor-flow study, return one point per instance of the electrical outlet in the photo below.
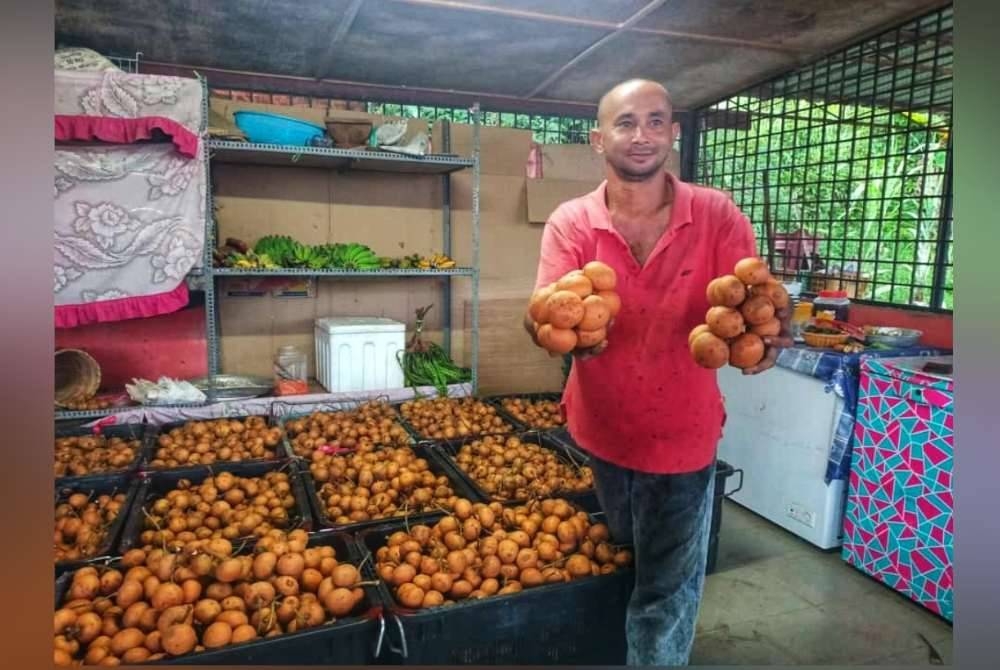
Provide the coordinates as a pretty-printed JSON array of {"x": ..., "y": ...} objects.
[{"x": 799, "y": 513}]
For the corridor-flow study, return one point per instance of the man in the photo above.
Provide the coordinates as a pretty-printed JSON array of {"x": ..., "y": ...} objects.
[{"x": 648, "y": 415}]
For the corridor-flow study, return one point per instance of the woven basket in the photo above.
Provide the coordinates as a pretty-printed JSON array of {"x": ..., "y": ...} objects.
[
  {"x": 348, "y": 134},
  {"x": 824, "y": 341},
  {"x": 78, "y": 376}
]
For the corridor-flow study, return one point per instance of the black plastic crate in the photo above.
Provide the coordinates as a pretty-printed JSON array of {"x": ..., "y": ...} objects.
[
  {"x": 562, "y": 434},
  {"x": 128, "y": 431},
  {"x": 280, "y": 450},
  {"x": 713, "y": 554},
  {"x": 563, "y": 437},
  {"x": 156, "y": 484},
  {"x": 497, "y": 401},
  {"x": 573, "y": 623},
  {"x": 586, "y": 499},
  {"x": 723, "y": 471},
  {"x": 420, "y": 437},
  {"x": 96, "y": 486},
  {"x": 436, "y": 465},
  {"x": 348, "y": 641}
]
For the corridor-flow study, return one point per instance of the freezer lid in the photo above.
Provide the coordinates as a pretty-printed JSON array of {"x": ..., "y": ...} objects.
[{"x": 910, "y": 370}]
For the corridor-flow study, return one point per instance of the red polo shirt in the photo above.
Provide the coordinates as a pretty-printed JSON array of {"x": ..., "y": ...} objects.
[{"x": 643, "y": 403}]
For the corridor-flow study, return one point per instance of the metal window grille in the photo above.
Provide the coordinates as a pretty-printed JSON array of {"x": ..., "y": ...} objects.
[
  {"x": 844, "y": 166},
  {"x": 545, "y": 129}
]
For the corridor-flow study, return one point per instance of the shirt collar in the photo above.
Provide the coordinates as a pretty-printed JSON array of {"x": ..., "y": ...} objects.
[{"x": 680, "y": 210}]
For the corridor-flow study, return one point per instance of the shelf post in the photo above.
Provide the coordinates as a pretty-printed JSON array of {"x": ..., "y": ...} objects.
[
  {"x": 211, "y": 306},
  {"x": 475, "y": 247},
  {"x": 446, "y": 307}
]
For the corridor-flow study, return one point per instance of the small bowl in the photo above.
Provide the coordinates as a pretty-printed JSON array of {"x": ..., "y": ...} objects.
[
  {"x": 824, "y": 340},
  {"x": 349, "y": 134}
]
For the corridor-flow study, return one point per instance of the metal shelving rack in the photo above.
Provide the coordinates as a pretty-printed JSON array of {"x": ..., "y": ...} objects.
[
  {"x": 206, "y": 278},
  {"x": 443, "y": 164}
]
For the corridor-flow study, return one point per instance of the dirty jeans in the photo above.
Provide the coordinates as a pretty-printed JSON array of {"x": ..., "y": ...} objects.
[{"x": 667, "y": 518}]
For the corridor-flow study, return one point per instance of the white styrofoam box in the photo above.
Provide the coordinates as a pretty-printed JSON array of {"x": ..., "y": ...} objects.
[{"x": 359, "y": 353}]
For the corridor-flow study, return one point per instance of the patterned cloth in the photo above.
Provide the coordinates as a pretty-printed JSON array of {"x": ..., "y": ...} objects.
[
  {"x": 121, "y": 95},
  {"x": 129, "y": 217},
  {"x": 840, "y": 372}
]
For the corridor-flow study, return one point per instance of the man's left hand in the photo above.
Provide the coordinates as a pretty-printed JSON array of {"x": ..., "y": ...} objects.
[{"x": 773, "y": 344}]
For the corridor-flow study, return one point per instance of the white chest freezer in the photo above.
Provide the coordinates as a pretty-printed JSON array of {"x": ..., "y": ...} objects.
[{"x": 779, "y": 428}]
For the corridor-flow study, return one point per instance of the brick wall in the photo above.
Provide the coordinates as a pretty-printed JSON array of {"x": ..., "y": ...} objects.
[{"x": 326, "y": 104}]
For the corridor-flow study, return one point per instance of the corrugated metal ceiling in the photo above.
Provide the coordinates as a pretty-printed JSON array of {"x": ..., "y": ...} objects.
[{"x": 521, "y": 54}]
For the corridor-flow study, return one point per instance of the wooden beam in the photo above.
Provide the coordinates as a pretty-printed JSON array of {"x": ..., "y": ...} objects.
[{"x": 352, "y": 90}]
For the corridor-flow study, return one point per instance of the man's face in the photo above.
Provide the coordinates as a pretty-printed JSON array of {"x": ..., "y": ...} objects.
[{"x": 636, "y": 134}]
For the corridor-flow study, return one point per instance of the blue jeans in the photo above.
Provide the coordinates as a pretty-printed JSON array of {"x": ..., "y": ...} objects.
[{"x": 667, "y": 518}]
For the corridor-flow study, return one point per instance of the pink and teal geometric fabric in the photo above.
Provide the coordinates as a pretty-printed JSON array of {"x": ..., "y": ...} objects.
[{"x": 898, "y": 525}]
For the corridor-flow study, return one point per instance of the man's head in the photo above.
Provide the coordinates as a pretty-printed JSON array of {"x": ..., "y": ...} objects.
[{"x": 635, "y": 132}]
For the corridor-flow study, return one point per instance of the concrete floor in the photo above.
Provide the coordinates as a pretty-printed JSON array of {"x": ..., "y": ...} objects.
[{"x": 777, "y": 600}]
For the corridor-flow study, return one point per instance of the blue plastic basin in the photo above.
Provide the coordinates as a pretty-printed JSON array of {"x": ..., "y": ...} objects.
[{"x": 263, "y": 128}]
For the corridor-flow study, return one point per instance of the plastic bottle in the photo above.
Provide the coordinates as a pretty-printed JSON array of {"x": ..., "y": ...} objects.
[
  {"x": 834, "y": 301},
  {"x": 290, "y": 371},
  {"x": 800, "y": 319}
]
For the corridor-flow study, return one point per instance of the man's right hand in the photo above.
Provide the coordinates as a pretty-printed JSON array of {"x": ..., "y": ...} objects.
[{"x": 589, "y": 352}]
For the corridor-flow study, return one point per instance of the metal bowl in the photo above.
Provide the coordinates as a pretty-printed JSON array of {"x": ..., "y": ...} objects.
[
  {"x": 235, "y": 387},
  {"x": 893, "y": 337}
]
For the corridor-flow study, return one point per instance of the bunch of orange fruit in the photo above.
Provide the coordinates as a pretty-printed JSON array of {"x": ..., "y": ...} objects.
[
  {"x": 743, "y": 312},
  {"x": 573, "y": 312}
]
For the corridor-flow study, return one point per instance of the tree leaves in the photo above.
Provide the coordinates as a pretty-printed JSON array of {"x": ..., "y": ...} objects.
[{"x": 867, "y": 181}]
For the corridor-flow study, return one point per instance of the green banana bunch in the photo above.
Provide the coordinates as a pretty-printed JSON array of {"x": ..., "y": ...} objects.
[
  {"x": 336, "y": 255},
  {"x": 360, "y": 257},
  {"x": 410, "y": 262},
  {"x": 301, "y": 256},
  {"x": 278, "y": 247},
  {"x": 250, "y": 261},
  {"x": 281, "y": 251},
  {"x": 320, "y": 259}
]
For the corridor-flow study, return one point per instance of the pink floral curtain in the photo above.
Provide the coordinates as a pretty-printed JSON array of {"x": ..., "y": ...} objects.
[{"x": 129, "y": 213}]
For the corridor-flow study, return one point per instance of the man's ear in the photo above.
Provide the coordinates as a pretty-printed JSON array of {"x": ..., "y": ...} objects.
[{"x": 596, "y": 141}]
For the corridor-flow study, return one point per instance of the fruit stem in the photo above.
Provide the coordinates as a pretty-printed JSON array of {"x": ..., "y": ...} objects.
[
  {"x": 363, "y": 561},
  {"x": 163, "y": 541}
]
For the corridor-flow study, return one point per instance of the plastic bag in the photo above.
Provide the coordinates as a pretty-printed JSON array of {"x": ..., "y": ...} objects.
[{"x": 165, "y": 391}]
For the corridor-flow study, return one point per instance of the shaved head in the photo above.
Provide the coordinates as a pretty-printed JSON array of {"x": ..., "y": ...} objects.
[
  {"x": 611, "y": 100},
  {"x": 635, "y": 131}
]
